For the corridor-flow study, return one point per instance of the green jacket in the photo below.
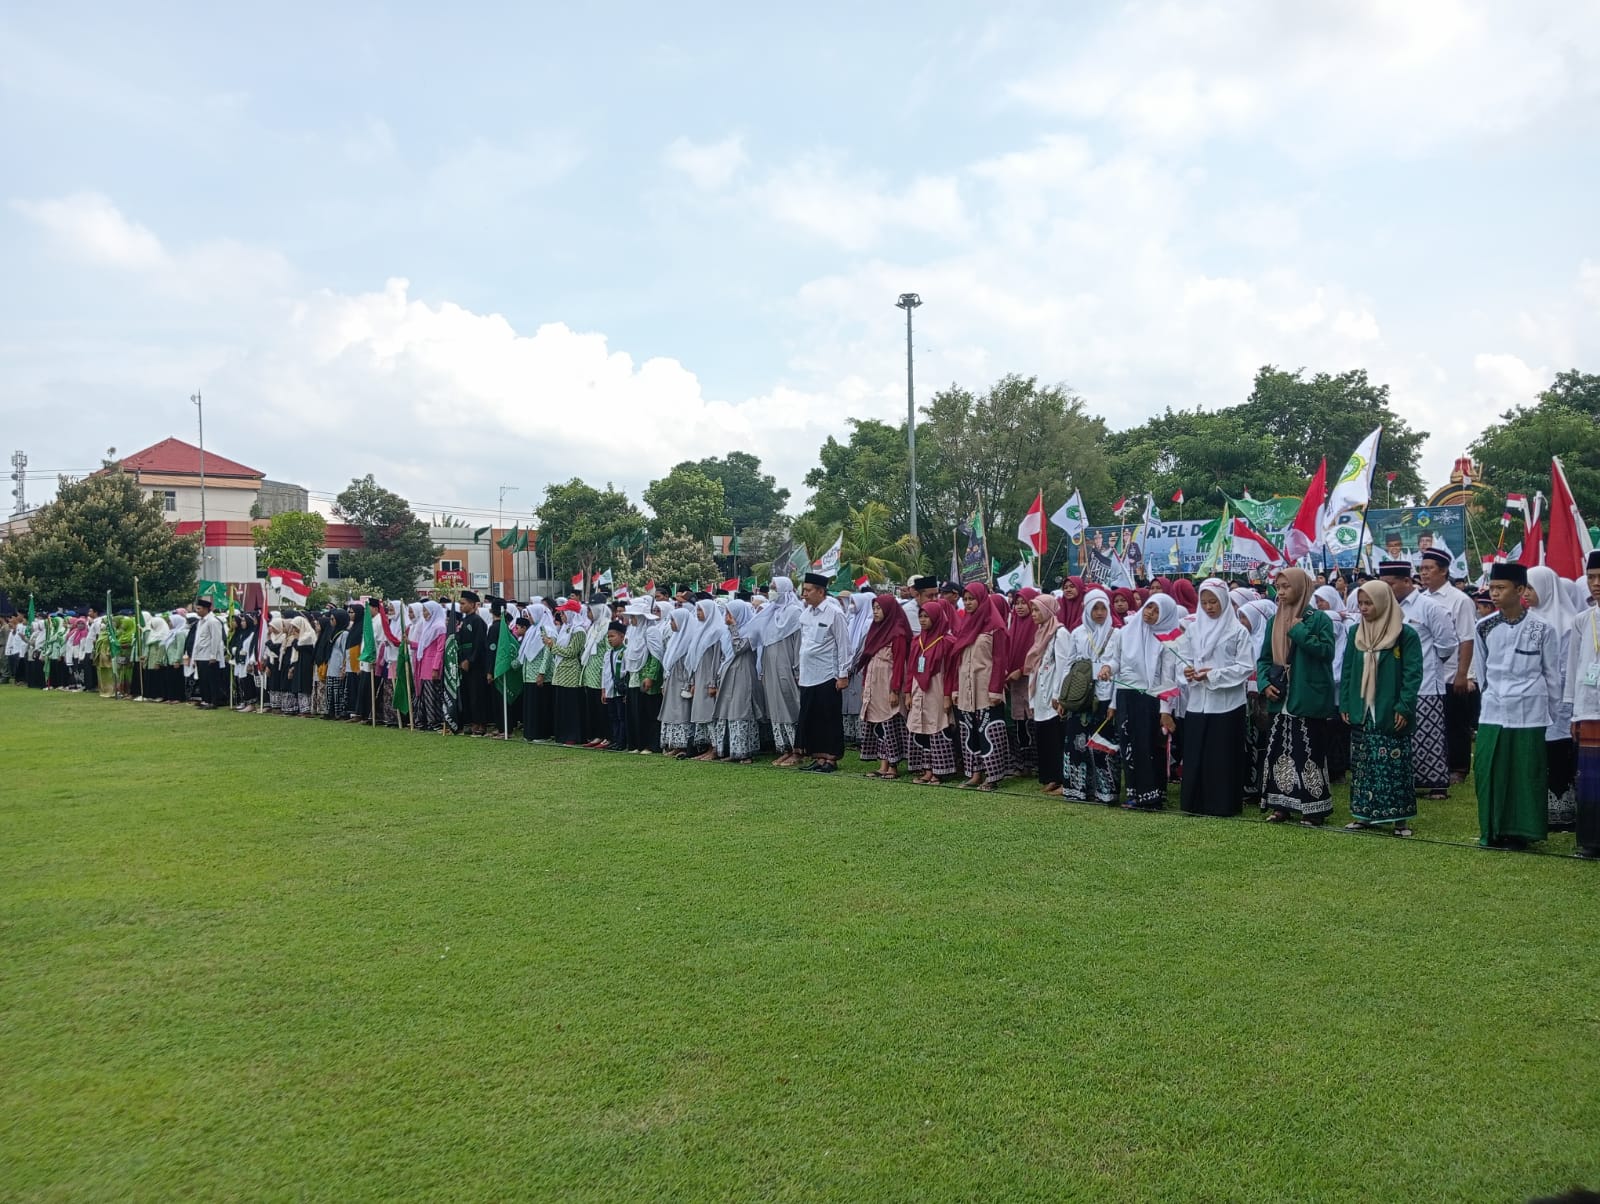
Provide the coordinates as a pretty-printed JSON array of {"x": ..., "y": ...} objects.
[
  {"x": 1399, "y": 679},
  {"x": 1312, "y": 694}
]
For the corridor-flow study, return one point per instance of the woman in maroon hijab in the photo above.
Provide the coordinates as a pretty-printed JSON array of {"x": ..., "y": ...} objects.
[
  {"x": 977, "y": 683},
  {"x": 883, "y": 668}
]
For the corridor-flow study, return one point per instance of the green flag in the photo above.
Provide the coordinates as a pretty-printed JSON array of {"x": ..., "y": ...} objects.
[
  {"x": 369, "y": 641},
  {"x": 402, "y": 671},
  {"x": 110, "y": 624},
  {"x": 1214, "y": 537},
  {"x": 1272, "y": 515},
  {"x": 507, "y": 675},
  {"x": 480, "y": 533},
  {"x": 30, "y": 609},
  {"x": 509, "y": 539},
  {"x": 217, "y": 591}
]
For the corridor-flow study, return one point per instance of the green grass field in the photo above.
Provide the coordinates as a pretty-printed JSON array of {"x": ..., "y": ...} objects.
[{"x": 249, "y": 957}]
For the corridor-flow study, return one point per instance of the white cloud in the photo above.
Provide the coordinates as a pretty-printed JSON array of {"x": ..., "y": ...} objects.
[
  {"x": 709, "y": 166},
  {"x": 1325, "y": 80},
  {"x": 88, "y": 227},
  {"x": 815, "y": 195}
]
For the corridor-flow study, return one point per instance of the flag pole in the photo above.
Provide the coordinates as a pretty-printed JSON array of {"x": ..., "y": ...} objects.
[{"x": 138, "y": 624}]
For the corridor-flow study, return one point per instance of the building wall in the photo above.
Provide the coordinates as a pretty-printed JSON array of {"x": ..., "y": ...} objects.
[
  {"x": 280, "y": 497},
  {"x": 225, "y": 502}
]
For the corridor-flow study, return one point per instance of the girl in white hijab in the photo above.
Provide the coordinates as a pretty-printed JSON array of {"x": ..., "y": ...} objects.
[
  {"x": 1146, "y": 672},
  {"x": 1222, "y": 659},
  {"x": 677, "y": 733},
  {"x": 1093, "y": 770},
  {"x": 1548, "y": 601}
]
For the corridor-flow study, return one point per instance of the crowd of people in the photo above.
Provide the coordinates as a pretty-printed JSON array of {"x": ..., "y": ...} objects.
[{"x": 1241, "y": 696}]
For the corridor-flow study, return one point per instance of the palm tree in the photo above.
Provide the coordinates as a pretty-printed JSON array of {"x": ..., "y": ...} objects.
[{"x": 869, "y": 546}]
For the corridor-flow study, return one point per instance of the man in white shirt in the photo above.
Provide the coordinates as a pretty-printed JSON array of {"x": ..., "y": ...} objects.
[
  {"x": 923, "y": 589},
  {"x": 1461, "y": 697},
  {"x": 1430, "y": 770},
  {"x": 210, "y": 643},
  {"x": 824, "y": 673},
  {"x": 1583, "y": 694},
  {"x": 1519, "y": 678}
]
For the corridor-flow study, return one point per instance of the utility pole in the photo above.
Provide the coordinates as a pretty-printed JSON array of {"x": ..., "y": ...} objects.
[
  {"x": 505, "y": 489},
  {"x": 205, "y": 537},
  {"x": 909, "y": 302}
]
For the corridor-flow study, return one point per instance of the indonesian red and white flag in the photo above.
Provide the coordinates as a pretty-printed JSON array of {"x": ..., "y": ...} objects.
[
  {"x": 1302, "y": 534},
  {"x": 1031, "y": 529},
  {"x": 1568, "y": 547},
  {"x": 1123, "y": 507},
  {"x": 1252, "y": 545},
  {"x": 1178, "y": 497},
  {"x": 289, "y": 584},
  {"x": 577, "y": 581}
]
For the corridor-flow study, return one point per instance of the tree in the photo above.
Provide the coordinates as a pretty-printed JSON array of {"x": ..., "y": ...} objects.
[
  {"x": 1004, "y": 446},
  {"x": 870, "y": 545},
  {"x": 1513, "y": 456},
  {"x": 1205, "y": 453},
  {"x": 1578, "y": 391},
  {"x": 397, "y": 547},
  {"x": 97, "y": 535},
  {"x": 871, "y": 467},
  {"x": 581, "y": 527},
  {"x": 752, "y": 498},
  {"x": 1329, "y": 416},
  {"x": 687, "y": 500},
  {"x": 292, "y": 541},
  {"x": 679, "y": 558}
]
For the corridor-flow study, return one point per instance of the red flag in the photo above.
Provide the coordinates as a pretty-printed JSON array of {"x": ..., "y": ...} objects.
[
  {"x": 1388, "y": 476},
  {"x": 290, "y": 583},
  {"x": 862, "y": 581},
  {"x": 1031, "y": 530},
  {"x": 1178, "y": 497},
  {"x": 1251, "y": 544},
  {"x": 730, "y": 586},
  {"x": 1569, "y": 547},
  {"x": 577, "y": 581},
  {"x": 1301, "y": 536},
  {"x": 1121, "y": 508}
]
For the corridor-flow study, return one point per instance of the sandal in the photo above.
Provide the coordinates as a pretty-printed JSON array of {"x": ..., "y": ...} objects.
[
  {"x": 988, "y": 787},
  {"x": 1278, "y": 817},
  {"x": 1356, "y": 826},
  {"x": 1402, "y": 830}
]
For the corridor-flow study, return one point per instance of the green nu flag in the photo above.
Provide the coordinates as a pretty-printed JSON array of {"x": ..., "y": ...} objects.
[
  {"x": 217, "y": 591},
  {"x": 402, "y": 672},
  {"x": 369, "y": 642},
  {"x": 507, "y": 676},
  {"x": 508, "y": 541}
]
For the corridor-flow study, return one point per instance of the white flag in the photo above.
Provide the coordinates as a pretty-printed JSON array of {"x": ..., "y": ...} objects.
[
  {"x": 828, "y": 563},
  {"x": 1072, "y": 517},
  {"x": 604, "y": 578},
  {"x": 1353, "y": 489},
  {"x": 1020, "y": 577}
]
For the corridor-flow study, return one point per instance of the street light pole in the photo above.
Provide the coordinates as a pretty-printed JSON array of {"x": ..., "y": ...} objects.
[
  {"x": 909, "y": 302},
  {"x": 500, "y": 522},
  {"x": 205, "y": 541}
]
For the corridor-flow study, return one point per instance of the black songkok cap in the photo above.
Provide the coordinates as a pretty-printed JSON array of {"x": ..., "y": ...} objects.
[
  {"x": 816, "y": 579},
  {"x": 1440, "y": 558},
  {"x": 1509, "y": 571},
  {"x": 619, "y": 628},
  {"x": 921, "y": 583},
  {"x": 1593, "y": 562},
  {"x": 468, "y": 596},
  {"x": 1395, "y": 568}
]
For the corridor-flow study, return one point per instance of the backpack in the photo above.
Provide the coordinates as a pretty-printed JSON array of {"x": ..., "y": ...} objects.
[{"x": 1077, "y": 691}]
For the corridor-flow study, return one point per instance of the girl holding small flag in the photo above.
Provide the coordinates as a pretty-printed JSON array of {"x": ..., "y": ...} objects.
[
  {"x": 1221, "y": 660},
  {"x": 1092, "y": 760},
  {"x": 1147, "y": 686}
]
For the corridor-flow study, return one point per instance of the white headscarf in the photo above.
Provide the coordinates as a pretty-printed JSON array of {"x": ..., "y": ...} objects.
[
  {"x": 780, "y": 617},
  {"x": 1255, "y": 614},
  {"x": 431, "y": 626},
  {"x": 713, "y": 630},
  {"x": 743, "y": 615},
  {"x": 599, "y": 624},
  {"x": 1207, "y": 633},
  {"x": 540, "y": 624},
  {"x": 860, "y": 620},
  {"x": 1099, "y": 633},
  {"x": 685, "y": 631},
  {"x": 1141, "y": 651},
  {"x": 1553, "y": 608},
  {"x": 636, "y": 643}
]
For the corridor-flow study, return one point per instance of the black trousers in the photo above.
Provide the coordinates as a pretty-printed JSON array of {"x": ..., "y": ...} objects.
[
  {"x": 644, "y": 722},
  {"x": 596, "y": 722},
  {"x": 1460, "y": 723},
  {"x": 212, "y": 686},
  {"x": 617, "y": 714},
  {"x": 820, "y": 731},
  {"x": 1047, "y": 737}
]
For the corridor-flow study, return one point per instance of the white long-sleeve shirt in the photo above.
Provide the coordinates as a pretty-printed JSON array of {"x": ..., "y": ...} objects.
[
  {"x": 1437, "y": 632},
  {"x": 209, "y": 642},
  {"x": 824, "y": 645},
  {"x": 1520, "y": 672},
  {"x": 1463, "y": 616},
  {"x": 1582, "y": 691},
  {"x": 1045, "y": 685},
  {"x": 1232, "y": 665}
]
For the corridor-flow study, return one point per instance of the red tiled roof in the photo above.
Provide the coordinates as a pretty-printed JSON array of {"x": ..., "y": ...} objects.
[{"x": 183, "y": 459}]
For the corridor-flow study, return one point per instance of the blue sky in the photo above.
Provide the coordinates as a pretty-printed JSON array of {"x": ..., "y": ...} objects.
[{"x": 523, "y": 244}]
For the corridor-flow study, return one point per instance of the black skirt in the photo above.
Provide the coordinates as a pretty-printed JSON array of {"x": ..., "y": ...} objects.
[{"x": 1214, "y": 763}]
